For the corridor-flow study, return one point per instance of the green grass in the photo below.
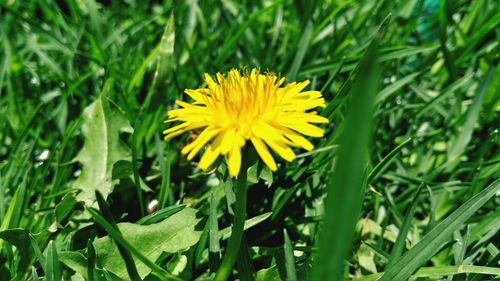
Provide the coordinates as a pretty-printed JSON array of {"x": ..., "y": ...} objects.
[{"x": 410, "y": 160}]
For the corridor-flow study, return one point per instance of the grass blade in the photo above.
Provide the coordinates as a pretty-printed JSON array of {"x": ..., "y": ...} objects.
[
  {"x": 127, "y": 257},
  {"x": 91, "y": 272},
  {"x": 347, "y": 185},
  {"x": 52, "y": 267},
  {"x": 116, "y": 235},
  {"x": 214, "y": 252},
  {"x": 291, "y": 274},
  {"x": 439, "y": 271},
  {"x": 400, "y": 243},
  {"x": 244, "y": 262},
  {"x": 465, "y": 135},
  {"x": 430, "y": 244},
  {"x": 301, "y": 51},
  {"x": 379, "y": 168},
  {"x": 392, "y": 88},
  {"x": 165, "y": 172}
]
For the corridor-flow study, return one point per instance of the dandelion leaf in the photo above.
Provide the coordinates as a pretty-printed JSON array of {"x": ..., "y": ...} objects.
[{"x": 101, "y": 128}]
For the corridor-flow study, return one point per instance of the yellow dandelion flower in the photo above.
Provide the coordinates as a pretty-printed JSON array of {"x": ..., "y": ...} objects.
[{"x": 241, "y": 107}]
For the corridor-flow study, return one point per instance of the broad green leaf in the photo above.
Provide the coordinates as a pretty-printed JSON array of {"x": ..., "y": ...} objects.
[
  {"x": 176, "y": 233},
  {"x": 101, "y": 129},
  {"x": 76, "y": 261},
  {"x": 273, "y": 274},
  {"x": 268, "y": 274},
  {"x": 366, "y": 258},
  {"x": 105, "y": 219}
]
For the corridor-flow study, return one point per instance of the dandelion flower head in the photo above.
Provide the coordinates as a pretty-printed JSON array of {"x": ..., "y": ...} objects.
[{"x": 240, "y": 108}]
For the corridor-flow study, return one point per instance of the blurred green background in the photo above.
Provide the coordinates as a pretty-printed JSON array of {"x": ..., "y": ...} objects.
[{"x": 85, "y": 85}]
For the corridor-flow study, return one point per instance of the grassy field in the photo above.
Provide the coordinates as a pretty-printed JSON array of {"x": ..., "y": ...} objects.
[{"x": 410, "y": 160}]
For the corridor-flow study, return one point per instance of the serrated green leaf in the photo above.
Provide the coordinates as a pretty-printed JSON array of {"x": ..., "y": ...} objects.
[
  {"x": 176, "y": 233},
  {"x": 101, "y": 129},
  {"x": 76, "y": 261}
]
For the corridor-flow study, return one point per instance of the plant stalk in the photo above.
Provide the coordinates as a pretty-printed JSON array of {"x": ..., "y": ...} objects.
[{"x": 233, "y": 247}]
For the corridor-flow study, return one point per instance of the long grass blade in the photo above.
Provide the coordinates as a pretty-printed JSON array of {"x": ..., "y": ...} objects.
[
  {"x": 347, "y": 185},
  {"x": 430, "y": 244}
]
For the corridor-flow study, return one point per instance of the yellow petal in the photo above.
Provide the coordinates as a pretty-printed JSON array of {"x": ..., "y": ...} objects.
[
  {"x": 173, "y": 135},
  {"x": 265, "y": 131},
  {"x": 282, "y": 149},
  {"x": 208, "y": 157},
  {"x": 313, "y": 118},
  {"x": 228, "y": 141},
  {"x": 234, "y": 161},
  {"x": 264, "y": 153},
  {"x": 200, "y": 141},
  {"x": 210, "y": 82},
  {"x": 310, "y": 117},
  {"x": 176, "y": 128},
  {"x": 195, "y": 95},
  {"x": 312, "y": 94},
  {"x": 184, "y": 127},
  {"x": 305, "y": 129},
  {"x": 300, "y": 141}
]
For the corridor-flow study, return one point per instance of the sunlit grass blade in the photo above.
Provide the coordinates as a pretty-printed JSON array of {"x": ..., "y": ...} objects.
[
  {"x": 214, "y": 251},
  {"x": 165, "y": 172},
  {"x": 91, "y": 261},
  {"x": 431, "y": 243},
  {"x": 135, "y": 163},
  {"x": 160, "y": 215},
  {"x": 52, "y": 267},
  {"x": 225, "y": 233},
  {"x": 451, "y": 89},
  {"x": 440, "y": 271},
  {"x": 165, "y": 55},
  {"x": 34, "y": 274},
  {"x": 291, "y": 273}
]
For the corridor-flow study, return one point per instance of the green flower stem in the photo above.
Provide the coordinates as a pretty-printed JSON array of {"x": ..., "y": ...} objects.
[{"x": 233, "y": 247}]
